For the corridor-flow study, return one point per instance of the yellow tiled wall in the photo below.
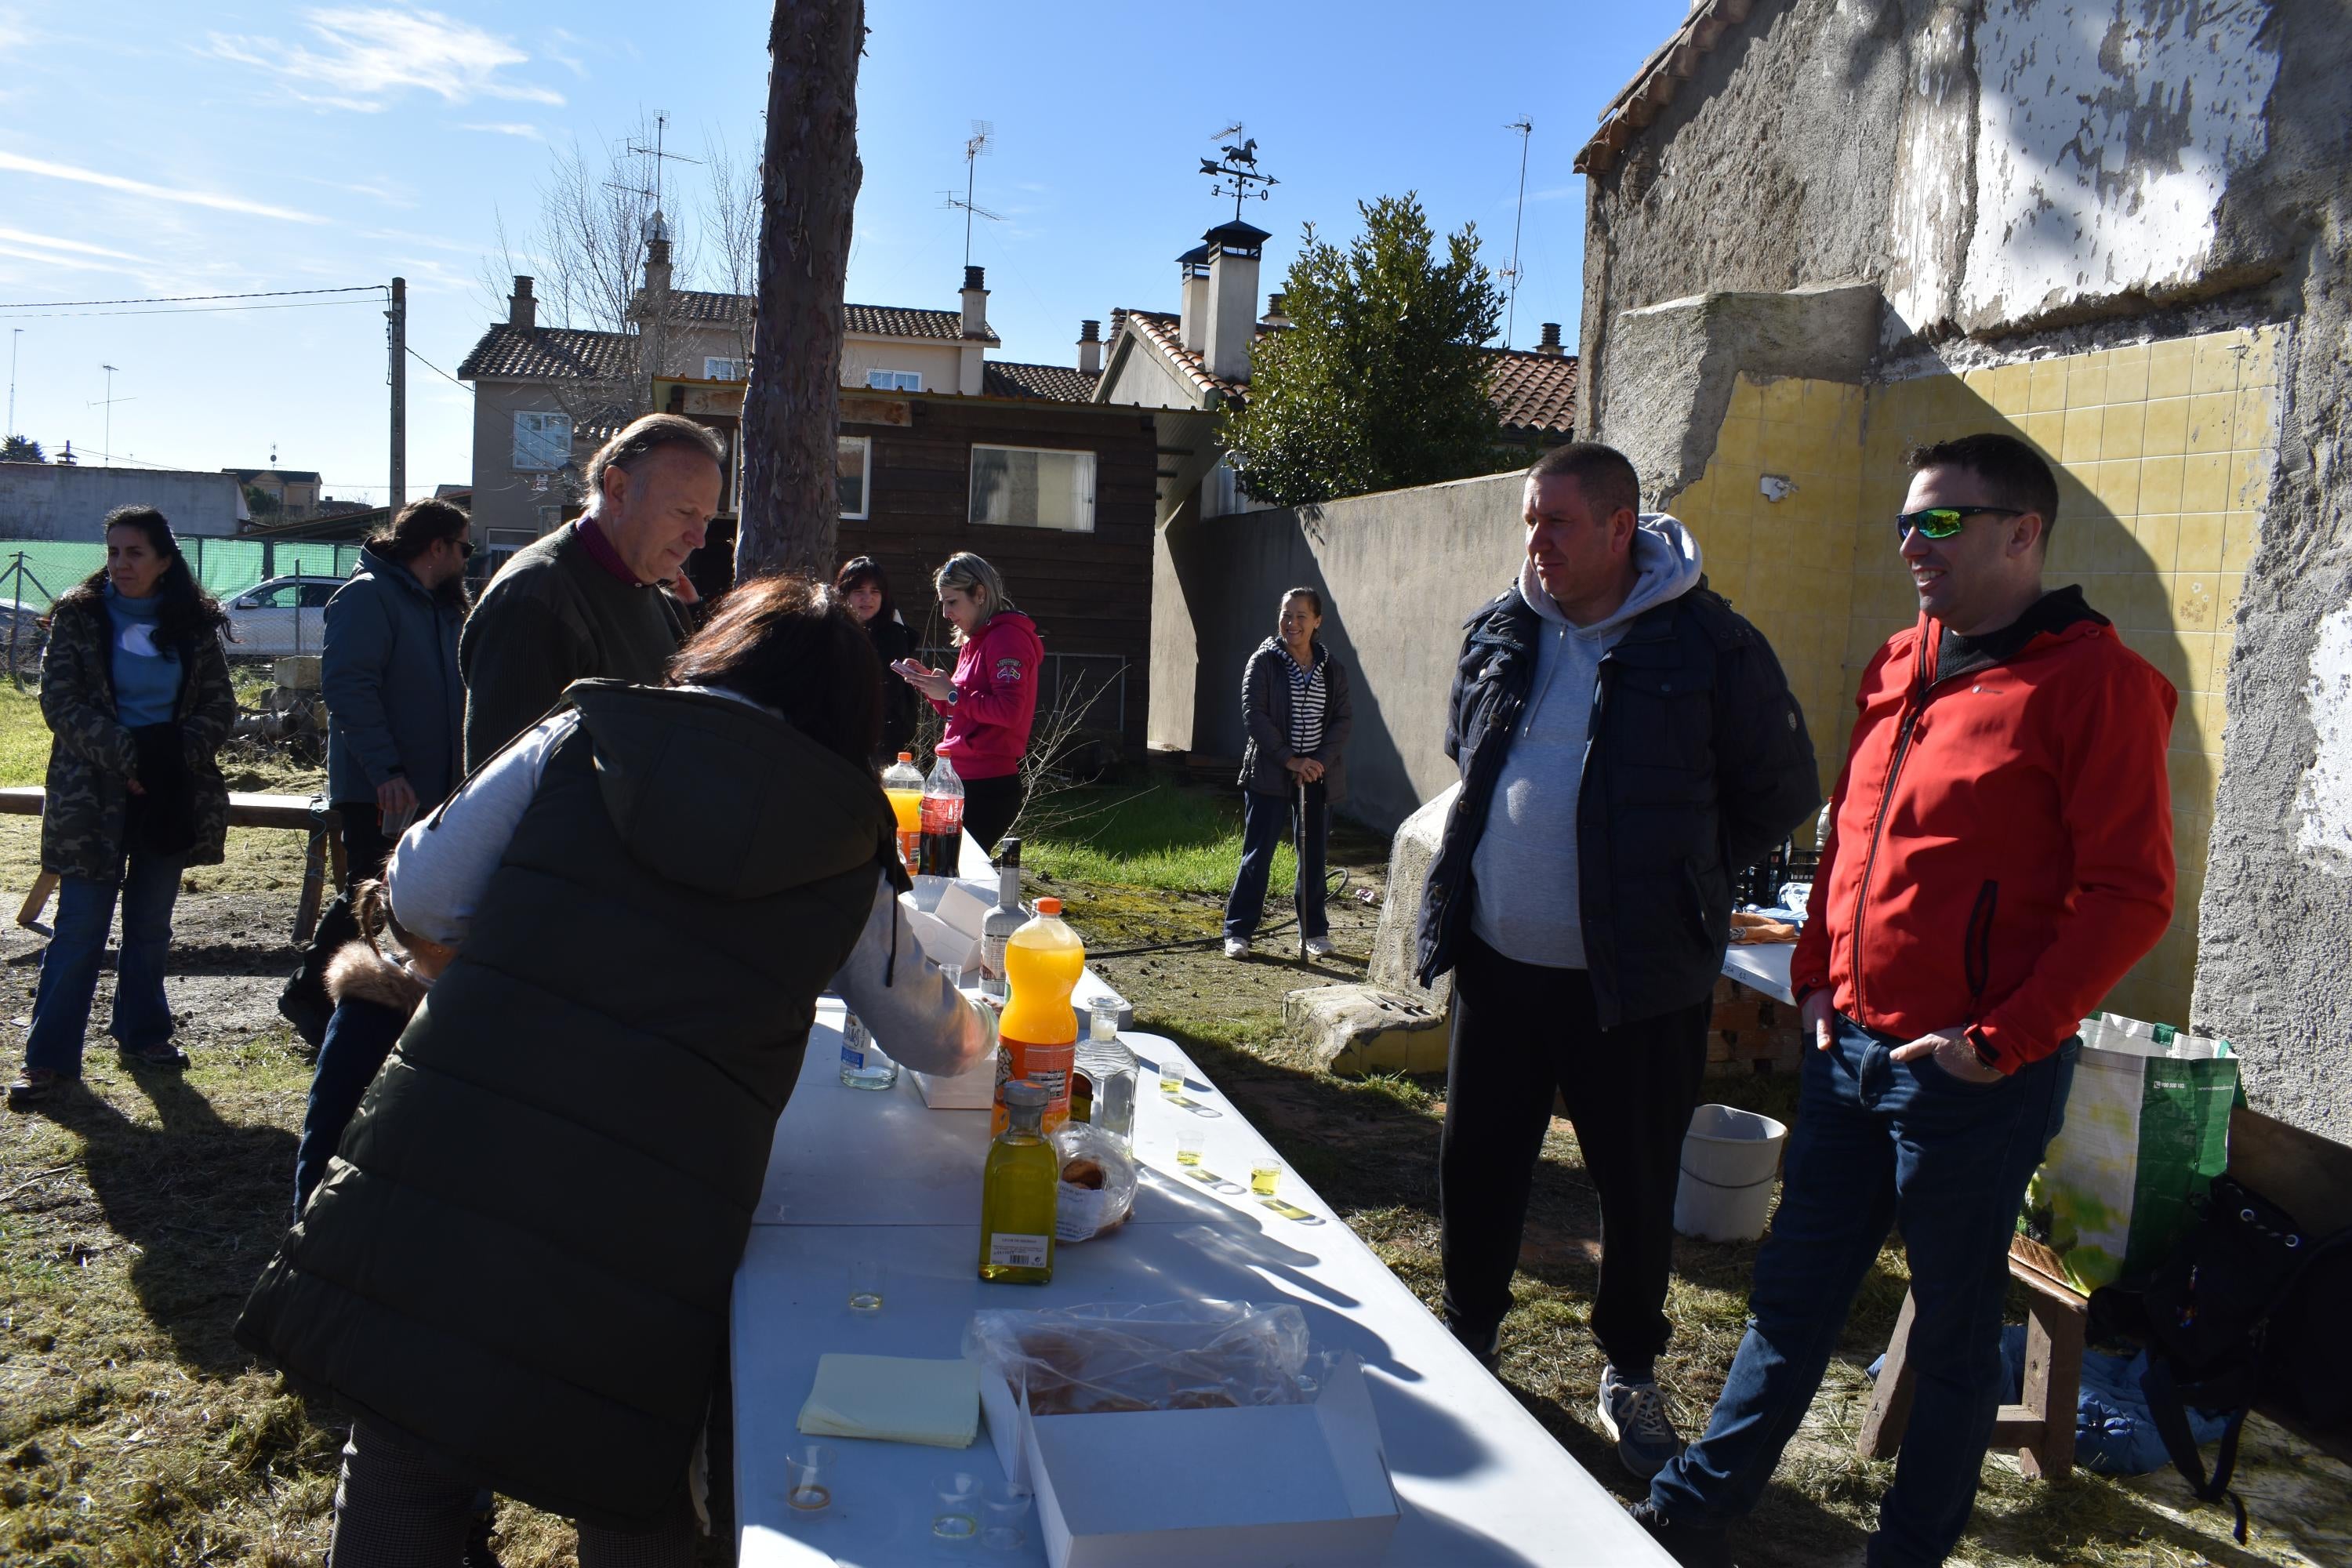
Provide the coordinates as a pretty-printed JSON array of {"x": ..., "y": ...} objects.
[{"x": 2163, "y": 452}]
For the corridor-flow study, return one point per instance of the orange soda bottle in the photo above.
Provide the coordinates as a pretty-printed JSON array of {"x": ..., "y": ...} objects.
[
  {"x": 902, "y": 782},
  {"x": 1038, "y": 1034}
]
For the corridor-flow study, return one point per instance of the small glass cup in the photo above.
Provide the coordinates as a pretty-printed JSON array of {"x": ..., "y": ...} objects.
[
  {"x": 1172, "y": 1075},
  {"x": 867, "y": 1282},
  {"x": 958, "y": 1494},
  {"x": 1191, "y": 1144},
  {"x": 1004, "y": 1505},
  {"x": 1103, "y": 1017},
  {"x": 954, "y": 974},
  {"x": 1265, "y": 1175},
  {"x": 808, "y": 1477}
]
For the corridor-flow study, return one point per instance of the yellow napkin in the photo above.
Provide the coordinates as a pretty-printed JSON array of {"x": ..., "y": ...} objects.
[{"x": 896, "y": 1398}]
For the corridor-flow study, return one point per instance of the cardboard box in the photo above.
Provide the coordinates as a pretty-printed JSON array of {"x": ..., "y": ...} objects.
[
  {"x": 1278, "y": 1486},
  {"x": 945, "y": 914},
  {"x": 971, "y": 1090}
]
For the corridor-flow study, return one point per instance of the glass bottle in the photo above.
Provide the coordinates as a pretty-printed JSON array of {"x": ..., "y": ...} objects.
[
  {"x": 1018, "y": 1191},
  {"x": 862, "y": 1065},
  {"x": 1106, "y": 1075},
  {"x": 997, "y": 928}
]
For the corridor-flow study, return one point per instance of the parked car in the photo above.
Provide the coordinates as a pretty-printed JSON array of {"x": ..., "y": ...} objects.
[{"x": 282, "y": 615}]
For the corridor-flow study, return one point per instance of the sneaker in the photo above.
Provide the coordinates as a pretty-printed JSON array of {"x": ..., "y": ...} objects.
[
  {"x": 1486, "y": 1346},
  {"x": 1236, "y": 947},
  {"x": 34, "y": 1085},
  {"x": 1634, "y": 1416},
  {"x": 1319, "y": 947},
  {"x": 1692, "y": 1545}
]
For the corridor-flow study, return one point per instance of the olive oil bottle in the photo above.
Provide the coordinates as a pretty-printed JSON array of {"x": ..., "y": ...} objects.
[{"x": 1017, "y": 1193}]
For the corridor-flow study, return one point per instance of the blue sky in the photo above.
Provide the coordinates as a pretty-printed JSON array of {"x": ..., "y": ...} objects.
[{"x": 150, "y": 149}]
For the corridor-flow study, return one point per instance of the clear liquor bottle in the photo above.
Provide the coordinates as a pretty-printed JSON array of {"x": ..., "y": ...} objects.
[
  {"x": 997, "y": 927},
  {"x": 862, "y": 1065}
]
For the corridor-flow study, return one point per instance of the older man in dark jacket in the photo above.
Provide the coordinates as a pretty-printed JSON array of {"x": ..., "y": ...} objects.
[
  {"x": 1627, "y": 744},
  {"x": 395, "y": 704}
]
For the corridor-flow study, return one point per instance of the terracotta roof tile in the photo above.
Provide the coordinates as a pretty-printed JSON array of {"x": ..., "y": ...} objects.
[
  {"x": 894, "y": 321},
  {"x": 1053, "y": 383},
  {"x": 546, "y": 353},
  {"x": 695, "y": 305},
  {"x": 1654, "y": 85}
]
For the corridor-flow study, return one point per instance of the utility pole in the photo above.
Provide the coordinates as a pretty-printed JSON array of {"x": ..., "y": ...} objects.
[{"x": 397, "y": 334}]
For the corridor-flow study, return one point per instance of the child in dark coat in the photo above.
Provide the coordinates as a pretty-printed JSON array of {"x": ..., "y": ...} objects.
[{"x": 376, "y": 995}]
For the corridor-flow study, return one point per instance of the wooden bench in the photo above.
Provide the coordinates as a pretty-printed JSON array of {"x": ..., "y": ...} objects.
[
  {"x": 297, "y": 811},
  {"x": 2307, "y": 1175}
]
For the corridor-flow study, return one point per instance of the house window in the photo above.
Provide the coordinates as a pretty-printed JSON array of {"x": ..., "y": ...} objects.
[
  {"x": 895, "y": 380},
  {"x": 551, "y": 517},
  {"x": 854, "y": 473},
  {"x": 726, "y": 369},
  {"x": 542, "y": 442},
  {"x": 1032, "y": 487}
]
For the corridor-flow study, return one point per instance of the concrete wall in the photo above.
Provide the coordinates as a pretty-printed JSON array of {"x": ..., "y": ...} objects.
[
  {"x": 2120, "y": 232},
  {"x": 64, "y": 501},
  {"x": 1399, "y": 572}
]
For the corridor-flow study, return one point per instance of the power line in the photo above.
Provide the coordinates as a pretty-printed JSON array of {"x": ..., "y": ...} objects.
[
  {"x": 191, "y": 299},
  {"x": 436, "y": 370},
  {"x": 183, "y": 309}
]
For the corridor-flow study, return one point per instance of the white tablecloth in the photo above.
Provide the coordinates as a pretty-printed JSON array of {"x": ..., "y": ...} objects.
[{"x": 878, "y": 1176}]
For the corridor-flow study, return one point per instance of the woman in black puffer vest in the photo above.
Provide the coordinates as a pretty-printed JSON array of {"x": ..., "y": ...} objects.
[{"x": 516, "y": 1273}]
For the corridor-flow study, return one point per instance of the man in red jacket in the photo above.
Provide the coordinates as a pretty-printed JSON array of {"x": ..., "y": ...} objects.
[{"x": 2001, "y": 854}]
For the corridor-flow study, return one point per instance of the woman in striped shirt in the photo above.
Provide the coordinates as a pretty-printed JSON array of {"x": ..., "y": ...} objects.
[{"x": 1294, "y": 706}]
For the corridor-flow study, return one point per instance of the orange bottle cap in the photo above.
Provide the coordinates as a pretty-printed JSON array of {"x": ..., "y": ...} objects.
[
  {"x": 1049, "y": 906},
  {"x": 906, "y": 756}
]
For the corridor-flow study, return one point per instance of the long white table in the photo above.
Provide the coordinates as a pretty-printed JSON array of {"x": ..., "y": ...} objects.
[{"x": 860, "y": 1175}]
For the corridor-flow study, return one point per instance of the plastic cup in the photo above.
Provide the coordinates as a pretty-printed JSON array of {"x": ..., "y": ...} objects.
[
  {"x": 1172, "y": 1075},
  {"x": 1004, "y": 1507},
  {"x": 957, "y": 1495},
  {"x": 808, "y": 1477},
  {"x": 1265, "y": 1175},
  {"x": 1191, "y": 1144},
  {"x": 954, "y": 974},
  {"x": 867, "y": 1282}
]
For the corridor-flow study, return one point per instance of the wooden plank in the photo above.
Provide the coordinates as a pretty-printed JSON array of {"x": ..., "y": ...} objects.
[
  {"x": 245, "y": 810},
  {"x": 1881, "y": 1436},
  {"x": 2305, "y": 1174}
]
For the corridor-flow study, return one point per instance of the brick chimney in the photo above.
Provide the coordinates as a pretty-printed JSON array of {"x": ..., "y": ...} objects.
[
  {"x": 1090, "y": 347},
  {"x": 658, "y": 256},
  {"x": 975, "y": 302},
  {"x": 522, "y": 306},
  {"x": 1193, "y": 311},
  {"x": 1235, "y": 249},
  {"x": 1550, "y": 345}
]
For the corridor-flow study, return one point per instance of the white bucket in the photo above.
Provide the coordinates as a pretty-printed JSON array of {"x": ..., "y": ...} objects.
[{"x": 1729, "y": 1160}]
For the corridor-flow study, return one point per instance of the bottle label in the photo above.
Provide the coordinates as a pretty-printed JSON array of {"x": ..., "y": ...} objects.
[
  {"x": 1009, "y": 1250},
  {"x": 991, "y": 954},
  {"x": 853, "y": 1043}
]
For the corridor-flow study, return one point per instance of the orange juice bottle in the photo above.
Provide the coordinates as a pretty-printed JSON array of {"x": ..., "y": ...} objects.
[
  {"x": 903, "y": 782},
  {"x": 1038, "y": 1034}
]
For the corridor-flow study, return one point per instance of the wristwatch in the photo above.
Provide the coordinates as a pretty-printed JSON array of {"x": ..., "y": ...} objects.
[{"x": 954, "y": 696}]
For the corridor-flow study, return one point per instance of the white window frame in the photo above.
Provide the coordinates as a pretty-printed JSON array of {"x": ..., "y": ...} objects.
[
  {"x": 541, "y": 425},
  {"x": 894, "y": 379},
  {"x": 1085, "y": 477},
  {"x": 865, "y": 445},
  {"x": 717, "y": 368}
]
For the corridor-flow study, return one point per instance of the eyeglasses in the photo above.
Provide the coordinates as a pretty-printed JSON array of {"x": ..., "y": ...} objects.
[
  {"x": 465, "y": 546},
  {"x": 1942, "y": 522}
]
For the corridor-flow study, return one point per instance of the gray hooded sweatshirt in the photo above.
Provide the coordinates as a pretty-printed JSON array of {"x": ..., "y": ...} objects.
[{"x": 1523, "y": 871}]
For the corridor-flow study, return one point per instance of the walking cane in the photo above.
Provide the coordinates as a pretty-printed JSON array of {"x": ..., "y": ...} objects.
[{"x": 1298, "y": 848}]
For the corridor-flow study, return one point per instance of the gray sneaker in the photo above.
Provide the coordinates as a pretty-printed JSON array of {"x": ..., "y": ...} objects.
[{"x": 1634, "y": 1416}]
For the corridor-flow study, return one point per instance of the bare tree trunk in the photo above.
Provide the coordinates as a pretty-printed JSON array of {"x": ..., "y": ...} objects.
[{"x": 809, "y": 178}]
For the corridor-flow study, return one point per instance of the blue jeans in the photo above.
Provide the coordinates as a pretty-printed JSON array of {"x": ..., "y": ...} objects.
[
  {"x": 1264, "y": 819},
  {"x": 1880, "y": 1143},
  {"x": 142, "y": 1019},
  {"x": 360, "y": 1037}
]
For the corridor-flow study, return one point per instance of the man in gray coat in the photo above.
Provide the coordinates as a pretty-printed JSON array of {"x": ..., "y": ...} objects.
[{"x": 394, "y": 699}]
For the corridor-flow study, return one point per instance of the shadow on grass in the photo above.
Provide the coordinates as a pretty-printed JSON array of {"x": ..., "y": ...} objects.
[{"x": 205, "y": 1202}]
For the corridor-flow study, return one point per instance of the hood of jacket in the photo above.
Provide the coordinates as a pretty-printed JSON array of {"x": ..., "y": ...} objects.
[
  {"x": 725, "y": 797},
  {"x": 362, "y": 973},
  {"x": 1666, "y": 565}
]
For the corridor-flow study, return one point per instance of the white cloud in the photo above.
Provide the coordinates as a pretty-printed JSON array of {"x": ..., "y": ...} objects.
[
  {"x": 373, "y": 53},
  {"x": 509, "y": 127},
  {"x": 51, "y": 243},
  {"x": 25, "y": 165}
]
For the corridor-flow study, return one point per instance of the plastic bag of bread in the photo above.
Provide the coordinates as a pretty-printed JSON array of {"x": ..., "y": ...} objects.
[
  {"x": 1099, "y": 1182},
  {"x": 1176, "y": 1355}
]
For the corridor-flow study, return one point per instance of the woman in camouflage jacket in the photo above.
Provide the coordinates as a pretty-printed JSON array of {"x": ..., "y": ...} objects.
[{"x": 136, "y": 691}]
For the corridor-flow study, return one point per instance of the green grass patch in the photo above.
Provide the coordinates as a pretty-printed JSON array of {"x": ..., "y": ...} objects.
[{"x": 1157, "y": 835}]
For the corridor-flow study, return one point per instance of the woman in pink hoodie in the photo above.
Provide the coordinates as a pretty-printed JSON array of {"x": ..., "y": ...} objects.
[{"x": 991, "y": 699}]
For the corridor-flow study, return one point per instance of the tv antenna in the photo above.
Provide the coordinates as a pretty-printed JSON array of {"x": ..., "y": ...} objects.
[
  {"x": 658, "y": 226},
  {"x": 1238, "y": 171},
  {"x": 1527, "y": 130},
  {"x": 983, "y": 136},
  {"x": 108, "y": 402}
]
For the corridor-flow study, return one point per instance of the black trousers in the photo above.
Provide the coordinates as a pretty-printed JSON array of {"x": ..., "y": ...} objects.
[
  {"x": 1521, "y": 1031},
  {"x": 989, "y": 807},
  {"x": 365, "y": 848}
]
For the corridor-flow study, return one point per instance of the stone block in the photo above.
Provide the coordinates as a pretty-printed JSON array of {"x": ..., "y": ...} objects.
[
  {"x": 1360, "y": 1029},
  {"x": 1409, "y": 852},
  {"x": 297, "y": 672}
]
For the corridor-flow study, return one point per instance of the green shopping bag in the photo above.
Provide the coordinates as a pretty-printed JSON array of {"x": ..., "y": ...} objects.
[{"x": 2148, "y": 1128}]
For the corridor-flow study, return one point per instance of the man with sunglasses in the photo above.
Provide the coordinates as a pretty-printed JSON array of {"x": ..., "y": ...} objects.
[{"x": 2001, "y": 853}]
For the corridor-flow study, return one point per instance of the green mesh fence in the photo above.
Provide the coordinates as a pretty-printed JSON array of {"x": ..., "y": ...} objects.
[{"x": 36, "y": 570}]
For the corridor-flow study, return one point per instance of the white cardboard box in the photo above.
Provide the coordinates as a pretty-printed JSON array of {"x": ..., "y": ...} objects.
[
  {"x": 974, "y": 1088},
  {"x": 1276, "y": 1486}
]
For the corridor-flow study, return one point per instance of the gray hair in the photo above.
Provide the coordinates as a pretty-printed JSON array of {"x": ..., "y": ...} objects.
[
  {"x": 976, "y": 577},
  {"x": 629, "y": 450}
]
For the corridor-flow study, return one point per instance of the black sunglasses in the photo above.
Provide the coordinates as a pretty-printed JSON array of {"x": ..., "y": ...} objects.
[{"x": 1942, "y": 522}]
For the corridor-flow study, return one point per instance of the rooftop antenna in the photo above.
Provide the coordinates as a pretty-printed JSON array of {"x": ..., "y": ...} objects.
[
  {"x": 1238, "y": 171},
  {"x": 984, "y": 135},
  {"x": 109, "y": 401},
  {"x": 661, "y": 130},
  {"x": 1527, "y": 130}
]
